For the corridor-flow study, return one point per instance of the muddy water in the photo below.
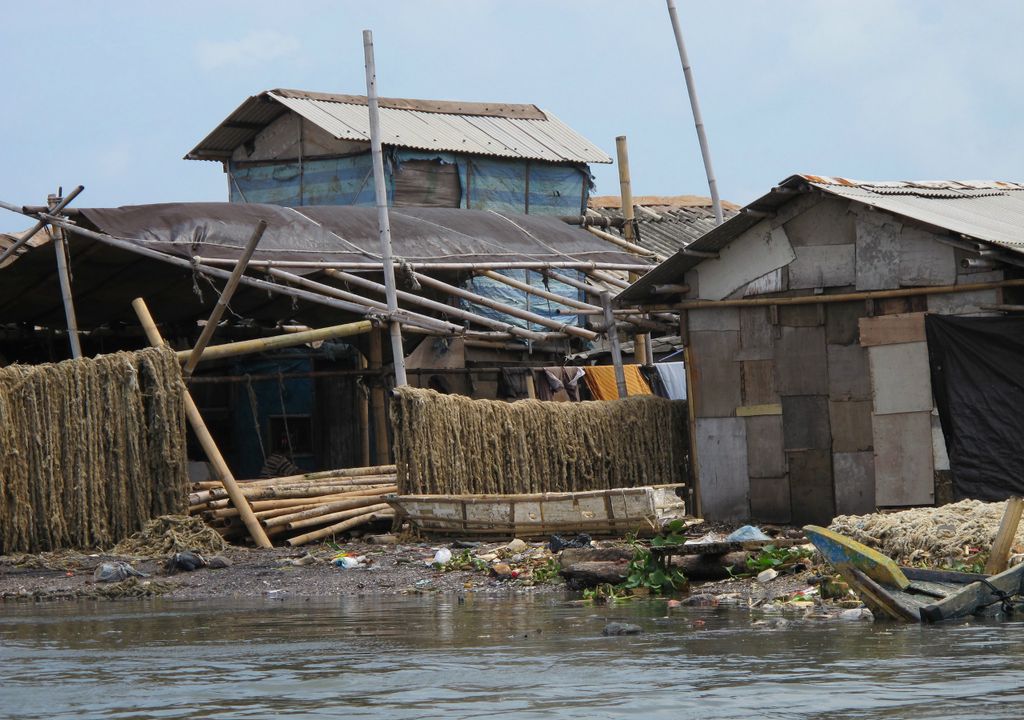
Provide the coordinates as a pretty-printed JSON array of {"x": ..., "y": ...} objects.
[{"x": 519, "y": 657}]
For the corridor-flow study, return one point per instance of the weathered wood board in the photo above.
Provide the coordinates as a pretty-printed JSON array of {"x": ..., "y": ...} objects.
[
  {"x": 828, "y": 222},
  {"x": 810, "y": 486},
  {"x": 892, "y": 329},
  {"x": 851, "y": 425},
  {"x": 965, "y": 303},
  {"x": 722, "y": 468},
  {"x": 770, "y": 501},
  {"x": 801, "y": 364},
  {"x": 772, "y": 282},
  {"x": 924, "y": 260},
  {"x": 759, "y": 382},
  {"x": 805, "y": 422},
  {"x": 841, "y": 326},
  {"x": 765, "y": 456},
  {"x": 757, "y": 334},
  {"x": 877, "y": 256},
  {"x": 757, "y": 410},
  {"x": 727, "y": 318},
  {"x": 821, "y": 266},
  {"x": 849, "y": 375},
  {"x": 754, "y": 253},
  {"x": 854, "y": 482},
  {"x": 715, "y": 373},
  {"x": 900, "y": 378},
  {"x": 904, "y": 473},
  {"x": 801, "y": 315}
]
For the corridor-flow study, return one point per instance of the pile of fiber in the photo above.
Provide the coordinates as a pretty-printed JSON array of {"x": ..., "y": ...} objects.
[
  {"x": 451, "y": 444},
  {"x": 955, "y": 535},
  {"x": 90, "y": 450},
  {"x": 170, "y": 534}
]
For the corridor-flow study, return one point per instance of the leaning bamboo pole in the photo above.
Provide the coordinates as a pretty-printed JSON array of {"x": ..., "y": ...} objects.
[
  {"x": 335, "y": 517},
  {"x": 531, "y": 290},
  {"x": 276, "y": 342},
  {"x": 340, "y": 527},
  {"x": 325, "y": 509},
  {"x": 205, "y": 439}
]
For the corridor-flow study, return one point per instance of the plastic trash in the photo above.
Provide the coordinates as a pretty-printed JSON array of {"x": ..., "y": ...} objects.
[
  {"x": 442, "y": 557},
  {"x": 347, "y": 563},
  {"x": 557, "y": 543},
  {"x": 115, "y": 572},
  {"x": 745, "y": 533},
  {"x": 184, "y": 561}
]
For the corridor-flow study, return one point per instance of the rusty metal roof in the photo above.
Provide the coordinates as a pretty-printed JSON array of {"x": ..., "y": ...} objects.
[
  {"x": 500, "y": 130},
  {"x": 987, "y": 211}
]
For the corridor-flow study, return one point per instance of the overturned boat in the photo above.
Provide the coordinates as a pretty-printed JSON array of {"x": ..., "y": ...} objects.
[{"x": 913, "y": 594}]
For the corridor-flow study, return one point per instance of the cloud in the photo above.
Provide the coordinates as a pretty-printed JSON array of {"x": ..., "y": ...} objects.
[{"x": 255, "y": 48}]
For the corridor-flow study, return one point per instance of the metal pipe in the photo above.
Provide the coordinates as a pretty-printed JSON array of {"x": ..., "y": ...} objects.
[
  {"x": 224, "y": 299},
  {"x": 383, "y": 223},
  {"x": 691, "y": 89}
]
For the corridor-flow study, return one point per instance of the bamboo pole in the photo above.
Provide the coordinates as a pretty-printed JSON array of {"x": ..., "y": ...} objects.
[
  {"x": 378, "y": 401},
  {"x": 224, "y": 299},
  {"x": 501, "y": 307},
  {"x": 441, "y": 307},
  {"x": 629, "y": 230},
  {"x": 609, "y": 279},
  {"x": 448, "y": 266},
  {"x": 325, "y": 508},
  {"x": 301, "y": 491},
  {"x": 364, "y": 416},
  {"x": 626, "y": 245},
  {"x": 383, "y": 222},
  {"x": 539, "y": 292},
  {"x": 60, "y": 248},
  {"x": 247, "y": 347},
  {"x": 334, "y": 517},
  {"x": 205, "y": 439},
  {"x": 838, "y": 297},
  {"x": 586, "y": 287},
  {"x": 1000, "y": 555},
  {"x": 40, "y": 224},
  {"x": 613, "y": 339},
  {"x": 340, "y": 527}
]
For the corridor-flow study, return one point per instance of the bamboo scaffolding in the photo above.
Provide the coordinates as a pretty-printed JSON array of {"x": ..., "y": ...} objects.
[
  {"x": 440, "y": 265},
  {"x": 34, "y": 230},
  {"x": 531, "y": 290},
  {"x": 276, "y": 342}
]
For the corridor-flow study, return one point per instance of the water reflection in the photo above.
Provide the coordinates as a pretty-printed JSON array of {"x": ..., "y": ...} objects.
[{"x": 522, "y": 657}]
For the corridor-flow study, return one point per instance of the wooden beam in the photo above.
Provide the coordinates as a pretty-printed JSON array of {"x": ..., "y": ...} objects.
[{"x": 999, "y": 556}]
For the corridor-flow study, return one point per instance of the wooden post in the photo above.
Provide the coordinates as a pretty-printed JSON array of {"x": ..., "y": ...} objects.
[
  {"x": 613, "y": 339},
  {"x": 629, "y": 231},
  {"x": 1000, "y": 555},
  {"x": 383, "y": 223},
  {"x": 206, "y": 440},
  {"x": 60, "y": 248},
  {"x": 378, "y": 400},
  {"x": 224, "y": 299}
]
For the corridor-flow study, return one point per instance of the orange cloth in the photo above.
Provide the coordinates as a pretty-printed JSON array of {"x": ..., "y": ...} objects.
[{"x": 601, "y": 381}]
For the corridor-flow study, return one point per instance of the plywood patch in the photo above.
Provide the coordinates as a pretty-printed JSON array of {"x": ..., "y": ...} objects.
[
  {"x": 966, "y": 303},
  {"x": 841, "y": 322},
  {"x": 757, "y": 334},
  {"x": 828, "y": 222},
  {"x": 924, "y": 260},
  {"x": 849, "y": 375},
  {"x": 892, "y": 329},
  {"x": 770, "y": 501},
  {"x": 812, "y": 498},
  {"x": 765, "y": 456},
  {"x": 851, "y": 425},
  {"x": 801, "y": 315},
  {"x": 726, "y": 318},
  {"x": 714, "y": 373},
  {"x": 900, "y": 378},
  {"x": 754, "y": 253},
  {"x": 904, "y": 473},
  {"x": 801, "y": 362},
  {"x": 805, "y": 422},
  {"x": 759, "y": 382},
  {"x": 821, "y": 266},
  {"x": 854, "y": 482},
  {"x": 722, "y": 468}
]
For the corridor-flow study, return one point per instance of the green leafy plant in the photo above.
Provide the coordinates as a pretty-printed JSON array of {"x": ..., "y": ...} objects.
[
  {"x": 465, "y": 560},
  {"x": 671, "y": 534},
  {"x": 777, "y": 558},
  {"x": 645, "y": 571},
  {"x": 606, "y": 593},
  {"x": 548, "y": 572}
]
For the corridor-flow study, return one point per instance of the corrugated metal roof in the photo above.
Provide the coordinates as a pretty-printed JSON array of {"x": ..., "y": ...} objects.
[
  {"x": 665, "y": 224},
  {"x": 987, "y": 211},
  {"x": 512, "y": 131}
]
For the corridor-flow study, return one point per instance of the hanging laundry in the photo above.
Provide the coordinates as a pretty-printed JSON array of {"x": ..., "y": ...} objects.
[
  {"x": 673, "y": 379},
  {"x": 601, "y": 381}
]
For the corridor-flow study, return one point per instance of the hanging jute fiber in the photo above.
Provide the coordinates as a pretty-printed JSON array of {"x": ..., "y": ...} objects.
[
  {"x": 952, "y": 536},
  {"x": 451, "y": 444},
  {"x": 90, "y": 449}
]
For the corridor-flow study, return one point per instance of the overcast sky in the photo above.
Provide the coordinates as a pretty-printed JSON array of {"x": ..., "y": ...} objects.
[{"x": 112, "y": 94}]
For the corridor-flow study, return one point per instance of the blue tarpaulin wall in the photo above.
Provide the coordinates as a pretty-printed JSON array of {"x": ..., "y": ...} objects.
[
  {"x": 517, "y": 298},
  {"x": 503, "y": 185}
]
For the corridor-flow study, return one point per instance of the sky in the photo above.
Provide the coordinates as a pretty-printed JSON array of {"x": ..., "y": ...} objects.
[{"x": 112, "y": 94}]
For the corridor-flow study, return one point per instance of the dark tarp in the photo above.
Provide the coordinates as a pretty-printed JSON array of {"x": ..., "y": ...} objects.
[{"x": 977, "y": 369}]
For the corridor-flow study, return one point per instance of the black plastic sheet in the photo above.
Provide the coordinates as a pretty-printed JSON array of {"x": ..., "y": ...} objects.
[{"x": 977, "y": 370}]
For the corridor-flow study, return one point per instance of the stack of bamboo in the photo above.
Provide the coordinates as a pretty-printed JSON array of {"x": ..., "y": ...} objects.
[{"x": 332, "y": 501}]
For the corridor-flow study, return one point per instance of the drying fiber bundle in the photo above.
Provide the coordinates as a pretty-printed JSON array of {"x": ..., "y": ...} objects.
[
  {"x": 451, "y": 444},
  {"x": 950, "y": 536},
  {"x": 90, "y": 450}
]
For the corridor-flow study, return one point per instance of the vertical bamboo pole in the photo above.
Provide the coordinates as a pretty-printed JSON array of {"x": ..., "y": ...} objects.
[
  {"x": 220, "y": 466},
  {"x": 64, "y": 276},
  {"x": 224, "y": 299},
  {"x": 32, "y": 231},
  {"x": 383, "y": 223},
  {"x": 377, "y": 399},
  {"x": 629, "y": 230},
  {"x": 613, "y": 339},
  {"x": 364, "y": 419},
  {"x": 1000, "y": 555}
]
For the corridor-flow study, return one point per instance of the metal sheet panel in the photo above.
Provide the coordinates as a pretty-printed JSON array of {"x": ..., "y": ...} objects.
[
  {"x": 750, "y": 256},
  {"x": 924, "y": 260},
  {"x": 904, "y": 471},
  {"x": 877, "y": 254},
  {"x": 900, "y": 378},
  {"x": 854, "y": 482},
  {"x": 722, "y": 468}
]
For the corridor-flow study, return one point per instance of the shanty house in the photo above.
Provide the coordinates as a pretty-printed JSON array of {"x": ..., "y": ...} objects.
[
  {"x": 292, "y": 147},
  {"x": 852, "y": 345}
]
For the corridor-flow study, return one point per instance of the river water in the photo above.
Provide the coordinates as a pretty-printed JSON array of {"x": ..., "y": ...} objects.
[{"x": 515, "y": 657}]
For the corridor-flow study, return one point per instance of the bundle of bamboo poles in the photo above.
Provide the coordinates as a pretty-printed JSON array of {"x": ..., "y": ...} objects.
[{"x": 300, "y": 509}]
